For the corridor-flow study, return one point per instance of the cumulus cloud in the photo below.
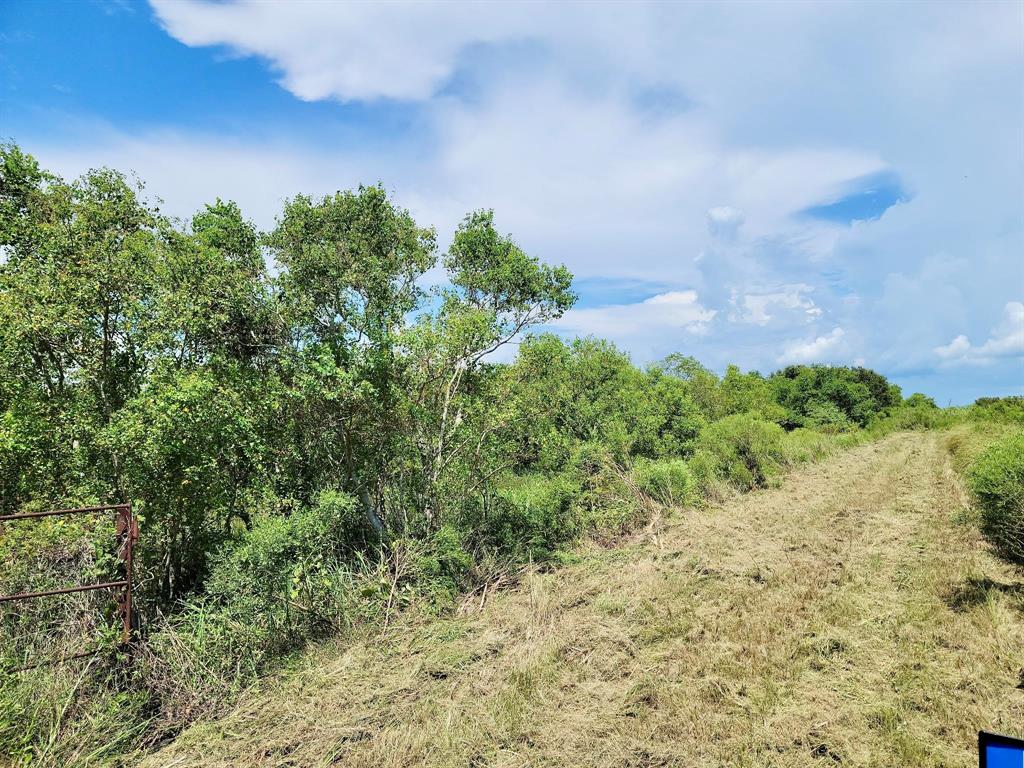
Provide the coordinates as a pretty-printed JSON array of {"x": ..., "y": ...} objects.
[
  {"x": 663, "y": 313},
  {"x": 186, "y": 170},
  {"x": 956, "y": 348},
  {"x": 345, "y": 51},
  {"x": 724, "y": 221},
  {"x": 760, "y": 307},
  {"x": 820, "y": 349},
  {"x": 577, "y": 178},
  {"x": 1005, "y": 341},
  {"x": 409, "y": 50}
]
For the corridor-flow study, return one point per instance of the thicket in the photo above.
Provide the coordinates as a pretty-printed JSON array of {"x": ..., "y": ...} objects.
[
  {"x": 996, "y": 479},
  {"x": 313, "y": 447},
  {"x": 988, "y": 451}
]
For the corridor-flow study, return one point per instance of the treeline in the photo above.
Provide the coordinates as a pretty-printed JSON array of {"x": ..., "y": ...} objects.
[{"x": 313, "y": 446}]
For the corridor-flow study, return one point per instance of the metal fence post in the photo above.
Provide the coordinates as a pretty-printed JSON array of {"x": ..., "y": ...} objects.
[{"x": 129, "y": 528}]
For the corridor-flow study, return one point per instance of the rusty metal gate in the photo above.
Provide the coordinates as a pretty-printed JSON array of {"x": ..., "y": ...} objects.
[{"x": 126, "y": 530}]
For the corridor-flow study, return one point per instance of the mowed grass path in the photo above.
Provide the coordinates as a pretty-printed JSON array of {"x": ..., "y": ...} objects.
[{"x": 849, "y": 617}]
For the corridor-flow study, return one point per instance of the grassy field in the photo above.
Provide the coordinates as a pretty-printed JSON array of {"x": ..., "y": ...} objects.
[{"x": 852, "y": 616}]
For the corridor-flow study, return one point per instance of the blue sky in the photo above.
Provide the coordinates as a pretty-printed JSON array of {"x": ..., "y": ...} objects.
[{"x": 749, "y": 183}]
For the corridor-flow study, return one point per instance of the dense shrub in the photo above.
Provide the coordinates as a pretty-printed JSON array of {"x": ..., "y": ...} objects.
[
  {"x": 860, "y": 393},
  {"x": 285, "y": 579},
  {"x": 1002, "y": 409},
  {"x": 532, "y": 516},
  {"x": 708, "y": 478},
  {"x": 668, "y": 481},
  {"x": 607, "y": 501},
  {"x": 746, "y": 451},
  {"x": 191, "y": 450},
  {"x": 996, "y": 479},
  {"x": 284, "y": 560},
  {"x": 441, "y": 565},
  {"x": 750, "y": 393},
  {"x": 589, "y": 391},
  {"x": 920, "y": 400},
  {"x": 828, "y": 417},
  {"x": 735, "y": 392},
  {"x": 921, "y": 416},
  {"x": 289, "y": 578}
]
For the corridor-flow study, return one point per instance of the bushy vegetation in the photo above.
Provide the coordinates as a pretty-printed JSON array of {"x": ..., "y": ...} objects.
[
  {"x": 999, "y": 409},
  {"x": 314, "y": 447},
  {"x": 743, "y": 450},
  {"x": 996, "y": 478},
  {"x": 987, "y": 450},
  {"x": 669, "y": 481},
  {"x": 833, "y": 397}
]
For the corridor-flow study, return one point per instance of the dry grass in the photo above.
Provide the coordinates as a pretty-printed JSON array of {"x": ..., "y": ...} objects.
[{"x": 850, "y": 616}]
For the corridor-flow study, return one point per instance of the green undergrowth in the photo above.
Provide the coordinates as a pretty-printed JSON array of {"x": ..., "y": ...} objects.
[
  {"x": 289, "y": 580},
  {"x": 990, "y": 457},
  {"x": 987, "y": 450}
]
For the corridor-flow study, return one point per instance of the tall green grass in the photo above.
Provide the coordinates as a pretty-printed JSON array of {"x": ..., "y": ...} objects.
[{"x": 996, "y": 478}]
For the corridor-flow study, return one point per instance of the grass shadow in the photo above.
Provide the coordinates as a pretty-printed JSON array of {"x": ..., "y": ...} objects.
[{"x": 975, "y": 591}]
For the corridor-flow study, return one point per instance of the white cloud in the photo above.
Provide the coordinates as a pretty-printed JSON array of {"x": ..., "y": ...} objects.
[
  {"x": 576, "y": 178},
  {"x": 665, "y": 313},
  {"x": 724, "y": 221},
  {"x": 760, "y": 307},
  {"x": 818, "y": 350},
  {"x": 588, "y": 178},
  {"x": 344, "y": 51},
  {"x": 187, "y": 170},
  {"x": 1008, "y": 337},
  {"x": 955, "y": 348},
  {"x": 1006, "y": 341},
  {"x": 408, "y": 50}
]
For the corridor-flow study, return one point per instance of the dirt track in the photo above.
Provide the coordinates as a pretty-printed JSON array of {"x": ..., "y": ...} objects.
[{"x": 849, "y": 617}]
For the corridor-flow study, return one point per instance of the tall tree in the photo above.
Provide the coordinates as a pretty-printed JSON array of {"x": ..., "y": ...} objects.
[
  {"x": 351, "y": 264},
  {"x": 497, "y": 292},
  {"x": 76, "y": 286}
]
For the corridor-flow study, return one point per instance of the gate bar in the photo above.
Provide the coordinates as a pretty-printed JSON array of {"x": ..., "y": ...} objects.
[
  {"x": 55, "y": 512},
  {"x": 65, "y": 591}
]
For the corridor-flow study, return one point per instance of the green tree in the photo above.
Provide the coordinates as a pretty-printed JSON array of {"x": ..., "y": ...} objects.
[
  {"x": 212, "y": 297},
  {"x": 919, "y": 400},
  {"x": 193, "y": 454},
  {"x": 861, "y": 394},
  {"x": 75, "y": 288},
  {"x": 589, "y": 391},
  {"x": 703, "y": 385},
  {"x": 350, "y": 269},
  {"x": 497, "y": 292},
  {"x": 749, "y": 393}
]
